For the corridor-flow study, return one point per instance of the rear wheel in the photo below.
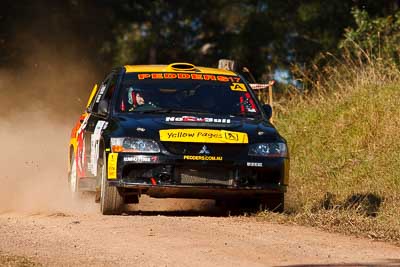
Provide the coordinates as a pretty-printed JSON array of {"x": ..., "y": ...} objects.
[
  {"x": 111, "y": 201},
  {"x": 72, "y": 177}
]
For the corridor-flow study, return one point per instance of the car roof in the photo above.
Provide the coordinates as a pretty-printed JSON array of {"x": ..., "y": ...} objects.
[{"x": 177, "y": 67}]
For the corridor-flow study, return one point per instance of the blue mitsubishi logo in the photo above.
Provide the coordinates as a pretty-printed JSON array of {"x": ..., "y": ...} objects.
[{"x": 204, "y": 151}]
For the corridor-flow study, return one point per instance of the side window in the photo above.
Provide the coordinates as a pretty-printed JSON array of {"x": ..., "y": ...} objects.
[
  {"x": 100, "y": 91},
  {"x": 111, "y": 88},
  {"x": 105, "y": 91}
]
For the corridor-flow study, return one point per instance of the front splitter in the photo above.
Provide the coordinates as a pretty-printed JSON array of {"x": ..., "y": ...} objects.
[{"x": 199, "y": 191}]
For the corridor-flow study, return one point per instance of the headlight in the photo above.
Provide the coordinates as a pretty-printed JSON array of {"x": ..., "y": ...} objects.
[
  {"x": 273, "y": 150},
  {"x": 127, "y": 144}
]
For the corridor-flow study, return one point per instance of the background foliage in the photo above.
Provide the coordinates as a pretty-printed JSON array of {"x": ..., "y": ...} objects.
[
  {"x": 265, "y": 35},
  {"x": 379, "y": 37}
]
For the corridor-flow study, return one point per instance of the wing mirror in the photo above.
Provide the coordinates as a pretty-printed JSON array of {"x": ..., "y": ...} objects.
[
  {"x": 268, "y": 110},
  {"x": 103, "y": 107}
]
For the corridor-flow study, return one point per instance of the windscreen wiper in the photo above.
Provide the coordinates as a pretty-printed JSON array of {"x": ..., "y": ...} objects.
[{"x": 247, "y": 115}]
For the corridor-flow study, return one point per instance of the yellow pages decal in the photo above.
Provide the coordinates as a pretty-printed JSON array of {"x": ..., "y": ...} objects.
[{"x": 203, "y": 136}]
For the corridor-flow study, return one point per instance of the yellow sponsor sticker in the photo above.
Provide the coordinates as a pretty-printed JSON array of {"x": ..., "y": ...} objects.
[
  {"x": 238, "y": 87},
  {"x": 112, "y": 165},
  {"x": 203, "y": 136},
  {"x": 201, "y": 157}
]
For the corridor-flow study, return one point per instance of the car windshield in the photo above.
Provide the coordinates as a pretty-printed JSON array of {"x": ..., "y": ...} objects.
[{"x": 185, "y": 92}]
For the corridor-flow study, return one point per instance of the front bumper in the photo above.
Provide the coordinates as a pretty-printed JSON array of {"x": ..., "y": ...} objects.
[{"x": 175, "y": 176}]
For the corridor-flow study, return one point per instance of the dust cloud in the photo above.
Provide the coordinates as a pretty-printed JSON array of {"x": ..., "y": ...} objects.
[
  {"x": 39, "y": 104},
  {"x": 34, "y": 165},
  {"x": 44, "y": 84}
]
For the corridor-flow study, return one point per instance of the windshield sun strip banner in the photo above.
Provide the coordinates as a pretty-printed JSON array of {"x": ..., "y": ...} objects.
[
  {"x": 203, "y": 136},
  {"x": 188, "y": 76}
]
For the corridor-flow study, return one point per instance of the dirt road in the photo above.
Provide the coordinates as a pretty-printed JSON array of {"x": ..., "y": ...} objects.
[{"x": 180, "y": 238}]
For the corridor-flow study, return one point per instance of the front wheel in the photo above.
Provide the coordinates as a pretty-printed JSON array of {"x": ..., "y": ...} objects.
[{"x": 111, "y": 201}]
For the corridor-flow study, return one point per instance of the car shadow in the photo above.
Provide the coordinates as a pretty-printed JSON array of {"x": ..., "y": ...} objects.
[
  {"x": 386, "y": 262},
  {"x": 192, "y": 213},
  {"x": 367, "y": 204},
  {"x": 179, "y": 213},
  {"x": 182, "y": 208}
]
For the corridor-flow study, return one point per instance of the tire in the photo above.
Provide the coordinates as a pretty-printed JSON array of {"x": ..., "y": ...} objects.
[
  {"x": 72, "y": 177},
  {"x": 111, "y": 201}
]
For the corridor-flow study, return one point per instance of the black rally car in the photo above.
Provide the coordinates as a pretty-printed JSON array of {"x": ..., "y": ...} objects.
[{"x": 178, "y": 131}]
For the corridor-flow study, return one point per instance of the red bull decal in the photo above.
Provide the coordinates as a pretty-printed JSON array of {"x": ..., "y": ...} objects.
[{"x": 197, "y": 119}]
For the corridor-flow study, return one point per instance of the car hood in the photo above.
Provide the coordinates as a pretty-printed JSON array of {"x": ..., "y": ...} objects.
[{"x": 149, "y": 125}]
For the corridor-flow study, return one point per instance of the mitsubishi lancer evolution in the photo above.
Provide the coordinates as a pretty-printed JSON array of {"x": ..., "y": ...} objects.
[{"x": 177, "y": 131}]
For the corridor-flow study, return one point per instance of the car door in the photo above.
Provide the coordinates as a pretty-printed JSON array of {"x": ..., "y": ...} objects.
[{"x": 93, "y": 126}]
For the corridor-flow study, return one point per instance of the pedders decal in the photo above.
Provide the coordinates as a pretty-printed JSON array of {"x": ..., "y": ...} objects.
[
  {"x": 188, "y": 76},
  {"x": 201, "y": 157}
]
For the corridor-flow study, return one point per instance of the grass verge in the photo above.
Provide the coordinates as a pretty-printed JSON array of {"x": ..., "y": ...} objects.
[{"x": 345, "y": 151}]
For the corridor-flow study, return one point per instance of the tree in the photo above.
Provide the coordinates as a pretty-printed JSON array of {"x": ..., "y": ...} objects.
[{"x": 262, "y": 34}]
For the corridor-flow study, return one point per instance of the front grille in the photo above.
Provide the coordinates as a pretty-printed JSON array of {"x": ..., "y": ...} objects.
[
  {"x": 181, "y": 148},
  {"x": 209, "y": 176},
  {"x": 200, "y": 174}
]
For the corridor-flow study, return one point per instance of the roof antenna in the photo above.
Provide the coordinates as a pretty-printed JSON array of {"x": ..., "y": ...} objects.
[{"x": 246, "y": 70}]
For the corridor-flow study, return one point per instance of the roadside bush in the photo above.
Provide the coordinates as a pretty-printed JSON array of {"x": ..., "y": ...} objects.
[{"x": 379, "y": 37}]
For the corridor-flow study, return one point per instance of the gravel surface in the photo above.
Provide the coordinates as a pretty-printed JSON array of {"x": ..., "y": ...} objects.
[{"x": 179, "y": 237}]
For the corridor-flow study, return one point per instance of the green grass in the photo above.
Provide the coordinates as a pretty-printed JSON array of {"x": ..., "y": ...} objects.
[{"x": 345, "y": 153}]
